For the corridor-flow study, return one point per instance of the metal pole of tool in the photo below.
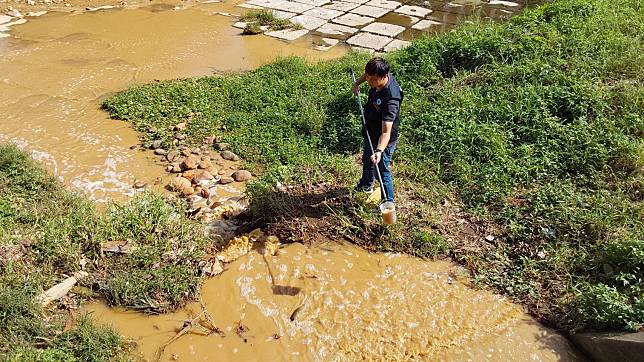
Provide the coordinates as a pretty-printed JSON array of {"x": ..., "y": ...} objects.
[{"x": 364, "y": 124}]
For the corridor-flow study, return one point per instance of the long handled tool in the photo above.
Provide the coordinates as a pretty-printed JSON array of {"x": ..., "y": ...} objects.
[{"x": 364, "y": 124}]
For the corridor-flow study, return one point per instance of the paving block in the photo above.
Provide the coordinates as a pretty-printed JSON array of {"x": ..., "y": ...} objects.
[
  {"x": 283, "y": 15},
  {"x": 372, "y": 11},
  {"x": 353, "y": 20},
  {"x": 384, "y": 4},
  {"x": 385, "y": 29},
  {"x": 5, "y": 19},
  {"x": 322, "y": 13},
  {"x": 370, "y": 41},
  {"x": 413, "y": 10},
  {"x": 336, "y": 30},
  {"x": 240, "y": 25},
  {"x": 263, "y": 3},
  {"x": 291, "y": 7},
  {"x": 287, "y": 34},
  {"x": 356, "y": 1},
  {"x": 313, "y": 2},
  {"x": 341, "y": 6},
  {"x": 425, "y": 24},
  {"x": 308, "y": 22},
  {"x": 396, "y": 44}
]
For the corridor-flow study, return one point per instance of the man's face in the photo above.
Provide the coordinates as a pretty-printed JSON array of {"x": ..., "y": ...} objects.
[{"x": 375, "y": 81}]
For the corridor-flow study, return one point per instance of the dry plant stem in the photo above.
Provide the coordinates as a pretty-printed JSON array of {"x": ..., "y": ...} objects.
[{"x": 183, "y": 331}]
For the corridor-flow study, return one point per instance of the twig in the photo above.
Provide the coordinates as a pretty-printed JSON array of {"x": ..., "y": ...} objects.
[
  {"x": 213, "y": 327},
  {"x": 184, "y": 330}
]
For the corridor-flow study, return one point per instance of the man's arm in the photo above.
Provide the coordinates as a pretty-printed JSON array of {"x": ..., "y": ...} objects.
[
  {"x": 356, "y": 85},
  {"x": 388, "y": 118}
]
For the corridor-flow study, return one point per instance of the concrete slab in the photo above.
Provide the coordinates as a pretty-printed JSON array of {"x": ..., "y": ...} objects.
[
  {"x": 308, "y": 22},
  {"x": 240, "y": 25},
  {"x": 336, "y": 30},
  {"x": 385, "y": 29},
  {"x": 322, "y": 13},
  {"x": 249, "y": 6},
  {"x": 326, "y": 44},
  {"x": 263, "y": 3},
  {"x": 387, "y": 4},
  {"x": 371, "y": 11},
  {"x": 313, "y": 2},
  {"x": 396, "y": 44},
  {"x": 341, "y": 6},
  {"x": 363, "y": 50},
  {"x": 353, "y": 20},
  {"x": 356, "y": 1},
  {"x": 283, "y": 14},
  {"x": 5, "y": 19},
  {"x": 413, "y": 10},
  {"x": 370, "y": 41},
  {"x": 503, "y": 3},
  {"x": 287, "y": 34},
  {"x": 291, "y": 6},
  {"x": 425, "y": 24}
]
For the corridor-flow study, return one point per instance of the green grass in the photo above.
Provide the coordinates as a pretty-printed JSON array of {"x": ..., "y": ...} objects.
[
  {"x": 533, "y": 127},
  {"x": 47, "y": 233},
  {"x": 264, "y": 17}
]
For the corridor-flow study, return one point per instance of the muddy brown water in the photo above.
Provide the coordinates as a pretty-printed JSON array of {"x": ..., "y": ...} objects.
[
  {"x": 56, "y": 69},
  {"x": 346, "y": 304}
]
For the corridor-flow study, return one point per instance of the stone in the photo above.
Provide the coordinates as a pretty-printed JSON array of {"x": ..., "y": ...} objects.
[
  {"x": 225, "y": 180},
  {"x": 169, "y": 168},
  {"x": 203, "y": 175},
  {"x": 227, "y": 155},
  {"x": 287, "y": 34},
  {"x": 205, "y": 193},
  {"x": 196, "y": 151},
  {"x": 372, "y": 11},
  {"x": 31, "y": 2},
  {"x": 139, "y": 184},
  {"x": 240, "y": 25},
  {"x": 178, "y": 183},
  {"x": 186, "y": 152},
  {"x": 241, "y": 175},
  {"x": 369, "y": 41},
  {"x": 176, "y": 169},
  {"x": 291, "y": 7},
  {"x": 160, "y": 152},
  {"x": 396, "y": 44},
  {"x": 385, "y": 29},
  {"x": 179, "y": 136},
  {"x": 611, "y": 346},
  {"x": 413, "y": 10},
  {"x": 172, "y": 155},
  {"x": 180, "y": 126},
  {"x": 187, "y": 191},
  {"x": 190, "y": 163},
  {"x": 353, "y": 20},
  {"x": 35, "y": 14},
  {"x": 384, "y": 4},
  {"x": 156, "y": 144},
  {"x": 343, "y": 6},
  {"x": 356, "y": 1},
  {"x": 425, "y": 24},
  {"x": 221, "y": 146},
  {"x": 322, "y": 13},
  {"x": 336, "y": 30},
  {"x": 14, "y": 13},
  {"x": 313, "y": 2},
  {"x": 308, "y": 22},
  {"x": 205, "y": 164}
]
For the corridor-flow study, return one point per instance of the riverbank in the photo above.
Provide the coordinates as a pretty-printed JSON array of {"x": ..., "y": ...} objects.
[{"x": 521, "y": 155}]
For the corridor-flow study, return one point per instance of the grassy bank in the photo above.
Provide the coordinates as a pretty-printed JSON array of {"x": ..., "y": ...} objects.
[
  {"x": 527, "y": 132},
  {"x": 48, "y": 233}
]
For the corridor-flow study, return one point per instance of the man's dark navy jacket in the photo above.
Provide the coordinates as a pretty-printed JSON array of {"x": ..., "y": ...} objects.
[{"x": 383, "y": 105}]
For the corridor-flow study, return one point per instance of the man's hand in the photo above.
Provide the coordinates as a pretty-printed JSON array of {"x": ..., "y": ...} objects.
[
  {"x": 355, "y": 89},
  {"x": 376, "y": 157}
]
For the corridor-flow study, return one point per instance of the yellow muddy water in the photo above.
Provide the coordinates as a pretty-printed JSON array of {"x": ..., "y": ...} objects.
[
  {"x": 57, "y": 68},
  {"x": 352, "y": 305}
]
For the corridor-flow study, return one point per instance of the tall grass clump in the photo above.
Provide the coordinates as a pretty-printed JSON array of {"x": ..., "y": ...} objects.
[
  {"x": 533, "y": 127},
  {"x": 48, "y": 233}
]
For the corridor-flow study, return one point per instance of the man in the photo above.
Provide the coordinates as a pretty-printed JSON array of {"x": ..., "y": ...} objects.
[{"x": 382, "y": 114}]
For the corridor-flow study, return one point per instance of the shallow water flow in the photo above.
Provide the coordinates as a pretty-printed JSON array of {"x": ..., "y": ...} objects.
[
  {"x": 56, "y": 69},
  {"x": 349, "y": 305}
]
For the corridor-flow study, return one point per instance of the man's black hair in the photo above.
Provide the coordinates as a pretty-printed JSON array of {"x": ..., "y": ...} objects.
[{"x": 377, "y": 66}]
